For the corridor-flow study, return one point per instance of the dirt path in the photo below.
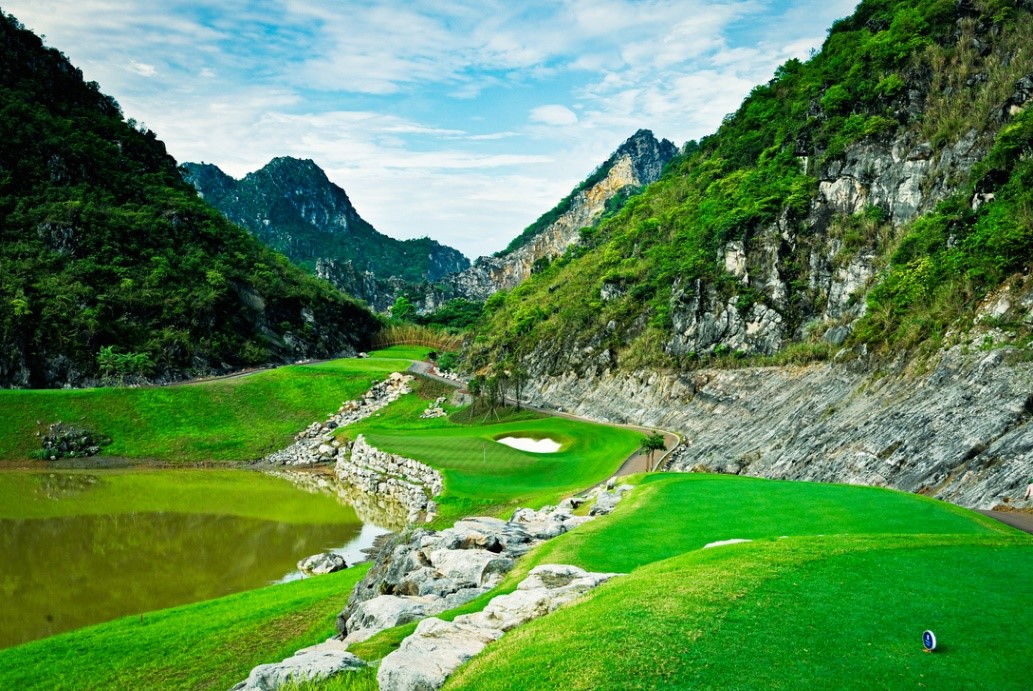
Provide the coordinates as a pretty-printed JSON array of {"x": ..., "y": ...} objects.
[
  {"x": 635, "y": 463},
  {"x": 1016, "y": 519}
]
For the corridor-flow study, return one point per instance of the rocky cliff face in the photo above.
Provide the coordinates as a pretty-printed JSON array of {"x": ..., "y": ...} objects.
[
  {"x": 292, "y": 206},
  {"x": 949, "y": 417},
  {"x": 638, "y": 162},
  {"x": 960, "y": 433},
  {"x": 900, "y": 178}
]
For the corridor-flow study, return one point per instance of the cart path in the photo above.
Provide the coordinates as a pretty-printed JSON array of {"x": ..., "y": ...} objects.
[{"x": 1016, "y": 519}]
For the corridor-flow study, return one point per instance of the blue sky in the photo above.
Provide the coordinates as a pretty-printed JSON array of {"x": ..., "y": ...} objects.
[{"x": 463, "y": 121}]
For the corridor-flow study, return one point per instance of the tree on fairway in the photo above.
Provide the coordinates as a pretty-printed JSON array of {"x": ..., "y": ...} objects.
[{"x": 651, "y": 443}]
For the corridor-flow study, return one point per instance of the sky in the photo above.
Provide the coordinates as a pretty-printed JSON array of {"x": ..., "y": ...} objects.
[{"x": 461, "y": 121}]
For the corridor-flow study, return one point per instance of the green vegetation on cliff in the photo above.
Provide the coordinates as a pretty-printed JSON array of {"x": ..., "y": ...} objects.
[
  {"x": 102, "y": 245},
  {"x": 922, "y": 75}
]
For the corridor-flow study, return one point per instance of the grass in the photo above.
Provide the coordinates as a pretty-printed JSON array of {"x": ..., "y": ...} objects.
[
  {"x": 831, "y": 569},
  {"x": 210, "y": 645},
  {"x": 224, "y": 420},
  {"x": 483, "y": 475},
  {"x": 809, "y": 612},
  {"x": 670, "y": 514},
  {"x": 30, "y": 494}
]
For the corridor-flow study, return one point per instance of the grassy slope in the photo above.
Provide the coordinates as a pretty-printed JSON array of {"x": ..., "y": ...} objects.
[
  {"x": 839, "y": 603},
  {"x": 858, "y": 565},
  {"x": 226, "y": 493},
  {"x": 210, "y": 645},
  {"x": 228, "y": 420}
]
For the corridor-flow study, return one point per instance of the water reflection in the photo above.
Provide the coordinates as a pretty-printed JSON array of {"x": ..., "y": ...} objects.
[{"x": 59, "y": 574}]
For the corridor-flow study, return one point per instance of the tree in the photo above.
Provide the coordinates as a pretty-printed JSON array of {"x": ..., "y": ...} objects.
[
  {"x": 403, "y": 309},
  {"x": 518, "y": 376},
  {"x": 651, "y": 443}
]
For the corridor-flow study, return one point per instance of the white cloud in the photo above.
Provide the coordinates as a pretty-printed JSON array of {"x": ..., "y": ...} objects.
[
  {"x": 143, "y": 69},
  {"x": 459, "y": 120},
  {"x": 556, "y": 115}
]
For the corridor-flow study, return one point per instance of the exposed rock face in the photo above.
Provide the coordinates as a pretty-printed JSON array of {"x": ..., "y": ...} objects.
[
  {"x": 960, "y": 432},
  {"x": 292, "y": 206},
  {"x": 902, "y": 178},
  {"x": 636, "y": 163},
  {"x": 437, "y": 648}
]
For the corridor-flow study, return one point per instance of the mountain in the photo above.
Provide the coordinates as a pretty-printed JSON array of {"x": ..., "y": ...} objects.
[
  {"x": 293, "y": 207},
  {"x": 635, "y": 164},
  {"x": 111, "y": 265},
  {"x": 833, "y": 286}
]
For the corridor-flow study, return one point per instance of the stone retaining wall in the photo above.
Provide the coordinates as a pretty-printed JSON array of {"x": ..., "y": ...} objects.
[{"x": 404, "y": 480}]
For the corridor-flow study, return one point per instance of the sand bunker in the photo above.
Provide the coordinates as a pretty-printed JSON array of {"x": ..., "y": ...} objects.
[{"x": 532, "y": 445}]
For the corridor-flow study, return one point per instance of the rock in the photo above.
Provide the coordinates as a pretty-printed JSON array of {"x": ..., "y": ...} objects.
[
  {"x": 307, "y": 665},
  {"x": 387, "y": 611},
  {"x": 470, "y": 567},
  {"x": 426, "y": 658},
  {"x": 318, "y": 564},
  {"x": 436, "y": 648}
]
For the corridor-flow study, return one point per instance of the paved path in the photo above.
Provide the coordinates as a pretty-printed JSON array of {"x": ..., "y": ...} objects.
[
  {"x": 635, "y": 463},
  {"x": 1016, "y": 519}
]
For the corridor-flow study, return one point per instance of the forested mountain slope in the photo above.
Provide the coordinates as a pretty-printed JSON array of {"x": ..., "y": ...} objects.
[
  {"x": 870, "y": 208},
  {"x": 291, "y": 205},
  {"x": 109, "y": 262}
]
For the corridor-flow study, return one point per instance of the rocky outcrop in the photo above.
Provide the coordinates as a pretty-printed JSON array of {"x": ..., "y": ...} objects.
[
  {"x": 775, "y": 304},
  {"x": 317, "y": 443},
  {"x": 426, "y": 572},
  {"x": 402, "y": 480},
  {"x": 428, "y": 656},
  {"x": 292, "y": 206},
  {"x": 636, "y": 163},
  {"x": 959, "y": 432}
]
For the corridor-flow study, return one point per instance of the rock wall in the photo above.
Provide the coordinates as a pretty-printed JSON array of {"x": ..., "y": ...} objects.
[
  {"x": 398, "y": 479},
  {"x": 959, "y": 432}
]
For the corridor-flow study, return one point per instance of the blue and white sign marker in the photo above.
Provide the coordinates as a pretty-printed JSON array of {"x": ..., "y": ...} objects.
[{"x": 929, "y": 641}]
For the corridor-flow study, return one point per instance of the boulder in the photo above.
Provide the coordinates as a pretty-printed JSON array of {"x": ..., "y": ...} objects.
[
  {"x": 469, "y": 567},
  {"x": 307, "y": 665},
  {"x": 427, "y": 657},
  {"x": 318, "y": 564},
  {"x": 387, "y": 611}
]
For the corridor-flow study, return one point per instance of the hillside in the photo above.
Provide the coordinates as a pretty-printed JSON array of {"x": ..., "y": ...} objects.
[
  {"x": 867, "y": 210},
  {"x": 111, "y": 265},
  {"x": 291, "y": 206},
  {"x": 636, "y": 163}
]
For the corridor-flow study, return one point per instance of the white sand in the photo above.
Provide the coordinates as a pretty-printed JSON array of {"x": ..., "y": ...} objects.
[{"x": 532, "y": 445}]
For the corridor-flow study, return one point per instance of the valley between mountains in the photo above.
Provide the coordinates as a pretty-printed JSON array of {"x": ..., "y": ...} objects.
[{"x": 814, "y": 322}]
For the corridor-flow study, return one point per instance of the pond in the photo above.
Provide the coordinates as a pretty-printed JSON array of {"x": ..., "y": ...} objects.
[{"x": 82, "y": 548}]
